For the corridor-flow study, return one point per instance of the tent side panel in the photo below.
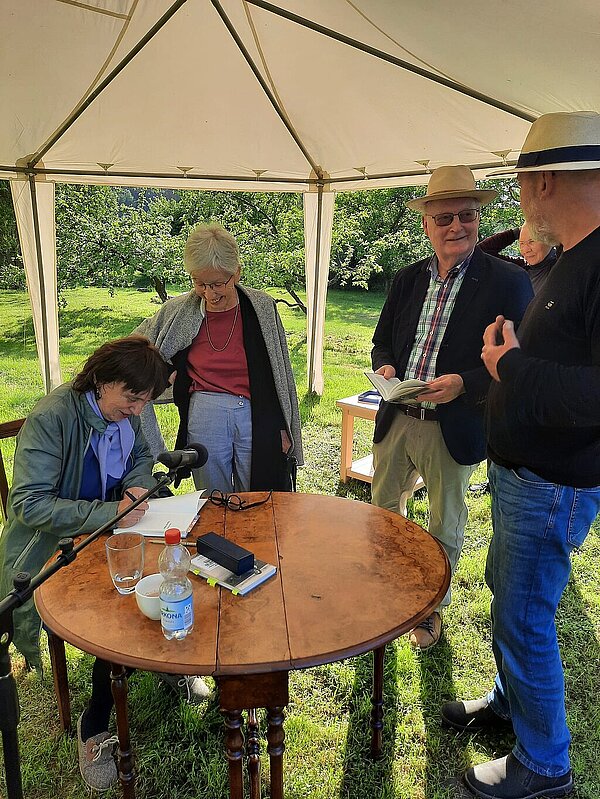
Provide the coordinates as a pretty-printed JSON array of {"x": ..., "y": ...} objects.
[
  {"x": 318, "y": 223},
  {"x": 34, "y": 211}
]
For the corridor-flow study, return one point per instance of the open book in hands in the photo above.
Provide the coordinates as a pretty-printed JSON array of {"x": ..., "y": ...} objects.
[{"x": 394, "y": 390}]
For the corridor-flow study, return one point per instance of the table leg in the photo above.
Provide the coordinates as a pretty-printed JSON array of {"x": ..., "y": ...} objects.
[
  {"x": 275, "y": 748},
  {"x": 118, "y": 676},
  {"x": 346, "y": 446},
  {"x": 253, "y": 752},
  {"x": 248, "y": 691},
  {"x": 234, "y": 745},
  {"x": 377, "y": 702},
  {"x": 58, "y": 663}
]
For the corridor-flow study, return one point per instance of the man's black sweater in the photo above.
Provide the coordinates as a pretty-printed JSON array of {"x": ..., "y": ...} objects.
[{"x": 545, "y": 412}]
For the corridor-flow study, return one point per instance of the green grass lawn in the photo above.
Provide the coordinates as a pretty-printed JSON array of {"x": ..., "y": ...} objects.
[{"x": 179, "y": 748}]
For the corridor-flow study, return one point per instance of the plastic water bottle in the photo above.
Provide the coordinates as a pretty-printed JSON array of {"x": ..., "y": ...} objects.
[{"x": 176, "y": 600}]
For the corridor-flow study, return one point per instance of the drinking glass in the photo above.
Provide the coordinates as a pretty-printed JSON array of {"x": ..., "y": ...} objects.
[{"x": 125, "y": 555}]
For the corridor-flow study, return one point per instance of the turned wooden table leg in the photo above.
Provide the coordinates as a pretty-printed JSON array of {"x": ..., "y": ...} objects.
[
  {"x": 118, "y": 676},
  {"x": 249, "y": 691},
  {"x": 377, "y": 702},
  {"x": 58, "y": 662},
  {"x": 275, "y": 748},
  {"x": 253, "y": 752},
  {"x": 234, "y": 745}
]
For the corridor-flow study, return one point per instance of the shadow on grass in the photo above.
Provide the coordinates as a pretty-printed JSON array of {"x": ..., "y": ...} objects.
[
  {"x": 449, "y": 752},
  {"x": 445, "y": 750},
  {"x": 354, "y": 489},
  {"x": 364, "y": 777},
  {"x": 580, "y": 652},
  {"x": 103, "y": 321},
  {"x": 308, "y": 403}
]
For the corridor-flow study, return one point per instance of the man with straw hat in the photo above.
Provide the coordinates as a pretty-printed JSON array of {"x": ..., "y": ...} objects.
[
  {"x": 430, "y": 328},
  {"x": 543, "y": 420}
]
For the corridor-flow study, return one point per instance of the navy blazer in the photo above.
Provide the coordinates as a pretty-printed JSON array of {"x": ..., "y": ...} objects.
[{"x": 490, "y": 287}]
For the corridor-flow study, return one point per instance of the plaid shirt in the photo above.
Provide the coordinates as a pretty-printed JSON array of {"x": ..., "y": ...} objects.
[{"x": 435, "y": 313}]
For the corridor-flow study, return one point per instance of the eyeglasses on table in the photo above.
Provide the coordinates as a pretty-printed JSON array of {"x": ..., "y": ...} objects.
[{"x": 235, "y": 502}]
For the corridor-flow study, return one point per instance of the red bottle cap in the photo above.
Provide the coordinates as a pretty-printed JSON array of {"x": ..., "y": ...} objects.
[{"x": 172, "y": 536}]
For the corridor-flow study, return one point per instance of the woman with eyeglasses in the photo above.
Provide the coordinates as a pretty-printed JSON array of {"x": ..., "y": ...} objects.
[
  {"x": 234, "y": 388},
  {"x": 537, "y": 259}
]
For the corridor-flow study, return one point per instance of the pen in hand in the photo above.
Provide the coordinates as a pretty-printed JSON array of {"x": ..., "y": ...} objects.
[{"x": 142, "y": 507}]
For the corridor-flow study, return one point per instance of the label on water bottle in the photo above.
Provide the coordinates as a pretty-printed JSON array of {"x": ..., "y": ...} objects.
[{"x": 176, "y": 614}]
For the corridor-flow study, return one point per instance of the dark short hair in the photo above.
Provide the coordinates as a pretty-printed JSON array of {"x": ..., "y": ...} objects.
[{"x": 133, "y": 361}]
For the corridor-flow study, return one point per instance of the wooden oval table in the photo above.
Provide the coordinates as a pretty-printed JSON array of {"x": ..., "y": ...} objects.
[{"x": 350, "y": 578}]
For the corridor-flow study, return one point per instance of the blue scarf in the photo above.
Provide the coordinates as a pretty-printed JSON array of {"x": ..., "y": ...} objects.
[{"x": 113, "y": 447}]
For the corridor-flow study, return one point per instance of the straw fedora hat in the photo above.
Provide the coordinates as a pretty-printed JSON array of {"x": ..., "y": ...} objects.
[
  {"x": 558, "y": 142},
  {"x": 447, "y": 182}
]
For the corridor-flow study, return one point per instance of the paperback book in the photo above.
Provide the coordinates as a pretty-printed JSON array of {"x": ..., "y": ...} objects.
[
  {"x": 395, "y": 390},
  {"x": 240, "y": 584}
]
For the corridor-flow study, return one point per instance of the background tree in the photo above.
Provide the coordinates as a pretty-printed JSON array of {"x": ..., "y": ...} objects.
[
  {"x": 375, "y": 234},
  {"x": 269, "y": 230},
  {"x": 111, "y": 237},
  {"x": 12, "y": 275}
]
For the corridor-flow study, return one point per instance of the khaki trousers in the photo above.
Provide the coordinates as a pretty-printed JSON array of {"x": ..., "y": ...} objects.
[{"x": 411, "y": 448}]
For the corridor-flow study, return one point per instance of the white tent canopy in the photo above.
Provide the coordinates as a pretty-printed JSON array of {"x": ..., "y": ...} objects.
[{"x": 314, "y": 96}]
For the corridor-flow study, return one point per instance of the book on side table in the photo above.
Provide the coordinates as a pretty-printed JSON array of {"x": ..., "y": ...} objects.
[
  {"x": 240, "y": 584},
  {"x": 395, "y": 390}
]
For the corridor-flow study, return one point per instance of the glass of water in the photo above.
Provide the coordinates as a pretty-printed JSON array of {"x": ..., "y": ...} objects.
[{"x": 125, "y": 555}]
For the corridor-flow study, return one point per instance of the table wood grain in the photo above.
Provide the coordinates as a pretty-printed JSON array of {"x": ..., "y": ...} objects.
[{"x": 350, "y": 578}]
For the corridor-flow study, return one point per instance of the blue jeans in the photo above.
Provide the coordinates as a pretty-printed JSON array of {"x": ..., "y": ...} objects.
[
  {"x": 223, "y": 423},
  {"x": 536, "y": 526}
]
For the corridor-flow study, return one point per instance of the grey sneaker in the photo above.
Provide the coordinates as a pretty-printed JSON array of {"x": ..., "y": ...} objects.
[
  {"x": 96, "y": 760},
  {"x": 194, "y": 689}
]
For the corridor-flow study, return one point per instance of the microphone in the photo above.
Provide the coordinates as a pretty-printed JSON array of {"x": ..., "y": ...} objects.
[{"x": 193, "y": 456}]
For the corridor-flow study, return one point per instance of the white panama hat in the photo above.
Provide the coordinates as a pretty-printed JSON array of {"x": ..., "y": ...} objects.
[{"x": 560, "y": 142}]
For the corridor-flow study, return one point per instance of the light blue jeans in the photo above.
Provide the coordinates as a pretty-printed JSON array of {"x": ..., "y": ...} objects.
[
  {"x": 223, "y": 423},
  {"x": 536, "y": 526}
]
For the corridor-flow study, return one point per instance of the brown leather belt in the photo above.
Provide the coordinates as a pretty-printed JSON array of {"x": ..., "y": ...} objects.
[{"x": 417, "y": 412}]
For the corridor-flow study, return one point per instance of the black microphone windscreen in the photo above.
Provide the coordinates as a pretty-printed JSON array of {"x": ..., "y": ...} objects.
[
  {"x": 202, "y": 453},
  {"x": 193, "y": 456}
]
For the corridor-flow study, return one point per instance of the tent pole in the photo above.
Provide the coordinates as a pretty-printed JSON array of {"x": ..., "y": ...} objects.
[
  {"x": 74, "y": 116},
  {"x": 424, "y": 73},
  {"x": 311, "y": 360},
  {"x": 40, "y": 270},
  {"x": 263, "y": 84}
]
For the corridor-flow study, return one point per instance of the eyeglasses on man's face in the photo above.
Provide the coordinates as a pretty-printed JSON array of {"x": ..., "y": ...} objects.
[
  {"x": 466, "y": 216},
  {"x": 234, "y": 502},
  {"x": 220, "y": 285}
]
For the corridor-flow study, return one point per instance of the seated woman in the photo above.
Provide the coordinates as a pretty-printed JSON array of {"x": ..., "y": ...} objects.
[
  {"x": 79, "y": 450},
  {"x": 234, "y": 388}
]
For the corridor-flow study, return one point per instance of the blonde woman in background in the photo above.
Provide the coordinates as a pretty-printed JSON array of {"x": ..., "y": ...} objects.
[{"x": 234, "y": 388}]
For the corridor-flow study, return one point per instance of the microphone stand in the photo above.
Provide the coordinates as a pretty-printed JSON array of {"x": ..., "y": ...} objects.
[{"x": 24, "y": 586}]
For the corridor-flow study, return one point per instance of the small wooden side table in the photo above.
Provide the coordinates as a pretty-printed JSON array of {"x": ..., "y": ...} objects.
[{"x": 361, "y": 469}]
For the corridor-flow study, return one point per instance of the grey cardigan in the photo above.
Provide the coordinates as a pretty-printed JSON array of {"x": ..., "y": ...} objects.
[{"x": 176, "y": 324}]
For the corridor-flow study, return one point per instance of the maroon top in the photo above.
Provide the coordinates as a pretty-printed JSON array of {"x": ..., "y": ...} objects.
[{"x": 217, "y": 359}]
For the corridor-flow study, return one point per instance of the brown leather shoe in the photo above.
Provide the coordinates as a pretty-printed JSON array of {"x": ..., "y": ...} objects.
[{"x": 427, "y": 633}]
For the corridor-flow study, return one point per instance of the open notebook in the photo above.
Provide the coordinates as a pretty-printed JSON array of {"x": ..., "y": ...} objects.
[{"x": 180, "y": 511}]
